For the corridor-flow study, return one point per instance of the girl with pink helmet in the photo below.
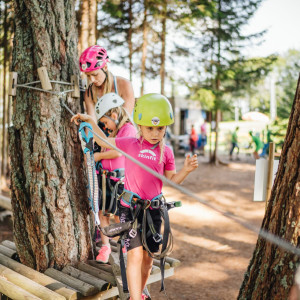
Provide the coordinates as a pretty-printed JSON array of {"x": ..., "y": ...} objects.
[{"x": 93, "y": 62}]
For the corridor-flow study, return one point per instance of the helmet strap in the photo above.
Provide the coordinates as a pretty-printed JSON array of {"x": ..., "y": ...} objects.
[{"x": 105, "y": 75}]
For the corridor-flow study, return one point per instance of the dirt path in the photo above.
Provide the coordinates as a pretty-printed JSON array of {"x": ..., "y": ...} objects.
[{"x": 214, "y": 250}]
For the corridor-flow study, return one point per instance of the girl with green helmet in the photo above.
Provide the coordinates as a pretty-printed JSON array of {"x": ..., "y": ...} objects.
[{"x": 152, "y": 113}]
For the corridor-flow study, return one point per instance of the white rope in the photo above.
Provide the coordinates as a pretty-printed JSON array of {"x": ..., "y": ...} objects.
[
  {"x": 263, "y": 233},
  {"x": 54, "y": 81}
]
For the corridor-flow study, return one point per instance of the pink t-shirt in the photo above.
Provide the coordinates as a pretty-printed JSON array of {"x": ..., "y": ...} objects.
[
  {"x": 127, "y": 130},
  {"x": 138, "y": 180}
]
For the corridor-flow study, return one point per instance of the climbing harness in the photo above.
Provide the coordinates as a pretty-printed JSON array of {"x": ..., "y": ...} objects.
[
  {"x": 110, "y": 182},
  {"x": 87, "y": 145},
  {"x": 145, "y": 224}
]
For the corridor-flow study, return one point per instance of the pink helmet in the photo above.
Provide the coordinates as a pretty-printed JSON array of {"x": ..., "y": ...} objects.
[{"x": 93, "y": 58}]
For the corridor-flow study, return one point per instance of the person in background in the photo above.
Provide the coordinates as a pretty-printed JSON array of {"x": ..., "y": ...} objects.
[
  {"x": 234, "y": 144},
  {"x": 258, "y": 144},
  {"x": 269, "y": 139},
  {"x": 193, "y": 140},
  {"x": 203, "y": 132}
]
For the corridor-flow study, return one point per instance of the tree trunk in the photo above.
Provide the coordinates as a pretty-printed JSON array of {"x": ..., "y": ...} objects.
[
  {"x": 49, "y": 200},
  {"x": 88, "y": 28},
  {"x": 271, "y": 270},
  {"x": 144, "y": 46},
  {"x": 4, "y": 139},
  {"x": 129, "y": 38},
  {"x": 163, "y": 49}
]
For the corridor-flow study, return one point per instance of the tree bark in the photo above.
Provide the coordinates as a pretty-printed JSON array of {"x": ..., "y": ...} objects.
[
  {"x": 50, "y": 209},
  {"x": 271, "y": 270},
  {"x": 144, "y": 46},
  {"x": 88, "y": 24},
  {"x": 4, "y": 139}
]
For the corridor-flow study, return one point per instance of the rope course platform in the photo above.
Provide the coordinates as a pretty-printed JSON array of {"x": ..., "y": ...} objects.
[{"x": 89, "y": 280}]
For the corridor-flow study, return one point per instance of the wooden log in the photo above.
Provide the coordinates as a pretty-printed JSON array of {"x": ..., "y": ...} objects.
[
  {"x": 15, "y": 292},
  {"x": 5, "y": 202},
  {"x": 84, "y": 288},
  {"x": 97, "y": 273},
  {"x": 9, "y": 244},
  {"x": 29, "y": 285},
  {"x": 173, "y": 262},
  {"x": 38, "y": 277},
  {"x": 100, "y": 284},
  {"x": 7, "y": 251},
  {"x": 109, "y": 294},
  {"x": 156, "y": 263},
  {"x": 105, "y": 267}
]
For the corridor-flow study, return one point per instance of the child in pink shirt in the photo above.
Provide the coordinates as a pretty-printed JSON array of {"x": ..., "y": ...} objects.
[
  {"x": 153, "y": 113},
  {"x": 109, "y": 110}
]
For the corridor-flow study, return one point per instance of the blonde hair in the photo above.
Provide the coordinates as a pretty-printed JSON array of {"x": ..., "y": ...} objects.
[
  {"x": 106, "y": 89},
  {"x": 123, "y": 118},
  {"x": 161, "y": 144}
]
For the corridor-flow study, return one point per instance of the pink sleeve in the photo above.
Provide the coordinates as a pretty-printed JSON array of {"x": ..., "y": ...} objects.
[
  {"x": 124, "y": 142},
  {"x": 170, "y": 160},
  {"x": 127, "y": 130}
]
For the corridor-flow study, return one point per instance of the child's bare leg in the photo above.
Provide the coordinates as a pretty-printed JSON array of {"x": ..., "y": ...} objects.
[
  {"x": 133, "y": 272},
  {"x": 146, "y": 268}
]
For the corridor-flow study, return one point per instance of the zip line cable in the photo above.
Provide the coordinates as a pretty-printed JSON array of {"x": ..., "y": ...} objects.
[{"x": 270, "y": 237}]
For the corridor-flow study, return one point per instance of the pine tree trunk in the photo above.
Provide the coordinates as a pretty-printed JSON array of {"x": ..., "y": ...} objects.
[
  {"x": 49, "y": 202},
  {"x": 271, "y": 270},
  {"x": 129, "y": 38},
  {"x": 163, "y": 49},
  {"x": 88, "y": 21},
  {"x": 4, "y": 138},
  {"x": 144, "y": 46}
]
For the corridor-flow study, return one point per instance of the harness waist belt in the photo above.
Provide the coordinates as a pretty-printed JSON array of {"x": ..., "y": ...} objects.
[{"x": 131, "y": 198}]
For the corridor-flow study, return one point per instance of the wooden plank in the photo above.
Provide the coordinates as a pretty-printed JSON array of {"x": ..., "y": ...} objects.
[
  {"x": 105, "y": 267},
  {"x": 38, "y": 277},
  {"x": 100, "y": 284},
  {"x": 15, "y": 292},
  {"x": 84, "y": 288},
  {"x": 12, "y": 85},
  {"x": 44, "y": 78},
  {"x": 7, "y": 251},
  {"x": 75, "y": 83},
  {"x": 97, "y": 273},
  {"x": 5, "y": 202},
  {"x": 29, "y": 285},
  {"x": 9, "y": 244},
  {"x": 157, "y": 276},
  {"x": 104, "y": 295},
  {"x": 156, "y": 263}
]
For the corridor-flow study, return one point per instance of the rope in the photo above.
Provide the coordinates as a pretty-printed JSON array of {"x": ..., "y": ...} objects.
[
  {"x": 41, "y": 90},
  {"x": 54, "y": 81},
  {"x": 270, "y": 237}
]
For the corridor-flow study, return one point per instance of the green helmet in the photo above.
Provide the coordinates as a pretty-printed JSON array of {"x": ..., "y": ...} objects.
[{"x": 153, "y": 110}]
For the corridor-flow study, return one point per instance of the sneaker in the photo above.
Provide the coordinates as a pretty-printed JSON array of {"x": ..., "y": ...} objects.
[
  {"x": 145, "y": 297},
  {"x": 103, "y": 255}
]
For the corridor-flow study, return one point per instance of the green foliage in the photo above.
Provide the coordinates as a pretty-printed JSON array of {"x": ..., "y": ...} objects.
[
  {"x": 288, "y": 68},
  {"x": 278, "y": 129}
]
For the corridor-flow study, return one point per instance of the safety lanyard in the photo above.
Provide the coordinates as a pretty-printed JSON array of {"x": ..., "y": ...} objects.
[{"x": 87, "y": 145}]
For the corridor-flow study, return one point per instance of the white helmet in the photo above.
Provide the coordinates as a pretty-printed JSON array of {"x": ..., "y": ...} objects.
[{"x": 106, "y": 103}]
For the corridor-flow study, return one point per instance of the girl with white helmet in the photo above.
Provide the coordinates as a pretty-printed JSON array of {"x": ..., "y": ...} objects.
[
  {"x": 110, "y": 111},
  {"x": 93, "y": 62},
  {"x": 142, "y": 191}
]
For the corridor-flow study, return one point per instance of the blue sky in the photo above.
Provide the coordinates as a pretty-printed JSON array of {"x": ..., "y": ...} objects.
[{"x": 281, "y": 18}]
